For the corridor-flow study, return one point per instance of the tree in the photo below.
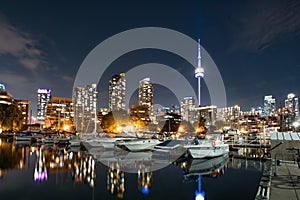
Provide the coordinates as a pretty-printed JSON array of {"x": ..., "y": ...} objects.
[
  {"x": 10, "y": 117},
  {"x": 108, "y": 123}
]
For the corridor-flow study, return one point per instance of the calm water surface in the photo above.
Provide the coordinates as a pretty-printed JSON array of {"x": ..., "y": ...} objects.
[{"x": 52, "y": 172}]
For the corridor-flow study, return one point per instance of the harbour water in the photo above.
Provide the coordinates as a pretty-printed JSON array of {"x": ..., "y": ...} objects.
[{"x": 53, "y": 172}]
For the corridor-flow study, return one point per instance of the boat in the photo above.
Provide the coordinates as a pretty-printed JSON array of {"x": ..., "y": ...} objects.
[
  {"x": 207, "y": 148},
  {"x": 62, "y": 141},
  {"x": 138, "y": 144},
  {"x": 23, "y": 136},
  {"x": 169, "y": 150},
  {"x": 75, "y": 142},
  {"x": 48, "y": 140}
]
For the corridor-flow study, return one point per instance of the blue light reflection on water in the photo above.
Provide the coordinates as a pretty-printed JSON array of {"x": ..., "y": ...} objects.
[{"x": 167, "y": 183}]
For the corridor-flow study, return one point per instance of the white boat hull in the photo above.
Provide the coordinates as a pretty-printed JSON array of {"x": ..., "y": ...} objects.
[
  {"x": 139, "y": 145},
  {"x": 207, "y": 151}
]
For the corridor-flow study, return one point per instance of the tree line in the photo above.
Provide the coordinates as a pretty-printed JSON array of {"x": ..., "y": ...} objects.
[{"x": 11, "y": 118}]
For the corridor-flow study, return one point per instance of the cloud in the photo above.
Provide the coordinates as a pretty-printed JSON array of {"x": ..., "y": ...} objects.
[
  {"x": 67, "y": 78},
  {"x": 263, "y": 22},
  {"x": 24, "y": 87},
  {"x": 19, "y": 44}
]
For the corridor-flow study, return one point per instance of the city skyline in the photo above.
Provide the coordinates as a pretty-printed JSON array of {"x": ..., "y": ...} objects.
[{"x": 254, "y": 48}]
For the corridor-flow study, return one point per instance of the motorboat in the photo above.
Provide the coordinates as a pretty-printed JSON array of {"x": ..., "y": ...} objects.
[
  {"x": 106, "y": 142},
  {"x": 75, "y": 142},
  {"x": 169, "y": 150},
  {"x": 207, "y": 148},
  {"x": 23, "y": 136},
  {"x": 138, "y": 144},
  {"x": 48, "y": 140}
]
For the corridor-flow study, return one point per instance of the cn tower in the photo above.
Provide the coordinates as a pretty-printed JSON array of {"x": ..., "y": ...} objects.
[{"x": 199, "y": 73}]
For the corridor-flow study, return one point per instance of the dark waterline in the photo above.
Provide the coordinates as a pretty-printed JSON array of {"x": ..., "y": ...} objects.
[{"x": 239, "y": 178}]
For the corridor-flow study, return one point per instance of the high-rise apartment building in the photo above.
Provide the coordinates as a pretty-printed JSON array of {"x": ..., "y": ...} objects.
[
  {"x": 44, "y": 95},
  {"x": 146, "y": 92},
  {"x": 23, "y": 106},
  {"x": 291, "y": 103},
  {"x": 269, "y": 106},
  {"x": 187, "y": 109},
  {"x": 117, "y": 87},
  {"x": 85, "y": 108},
  {"x": 146, "y": 96}
]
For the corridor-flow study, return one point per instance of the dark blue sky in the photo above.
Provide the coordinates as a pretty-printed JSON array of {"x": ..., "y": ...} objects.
[{"x": 255, "y": 44}]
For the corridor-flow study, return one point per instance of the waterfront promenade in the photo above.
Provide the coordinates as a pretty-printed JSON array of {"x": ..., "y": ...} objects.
[{"x": 286, "y": 185}]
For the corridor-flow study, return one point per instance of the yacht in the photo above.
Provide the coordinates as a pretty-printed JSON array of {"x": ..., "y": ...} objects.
[
  {"x": 207, "y": 148},
  {"x": 138, "y": 144}
]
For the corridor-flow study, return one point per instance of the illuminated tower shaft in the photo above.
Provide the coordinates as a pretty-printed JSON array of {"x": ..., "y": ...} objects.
[{"x": 199, "y": 73}]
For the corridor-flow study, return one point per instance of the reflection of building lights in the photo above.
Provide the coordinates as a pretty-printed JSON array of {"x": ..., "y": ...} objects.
[
  {"x": 40, "y": 175},
  {"x": 116, "y": 181},
  {"x": 145, "y": 190},
  {"x": 200, "y": 194},
  {"x": 144, "y": 182},
  {"x": 40, "y": 171}
]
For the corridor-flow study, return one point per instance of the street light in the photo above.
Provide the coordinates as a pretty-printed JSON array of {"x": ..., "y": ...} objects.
[{"x": 296, "y": 124}]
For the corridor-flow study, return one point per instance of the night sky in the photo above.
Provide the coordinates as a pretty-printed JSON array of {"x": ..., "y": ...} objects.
[{"x": 255, "y": 44}]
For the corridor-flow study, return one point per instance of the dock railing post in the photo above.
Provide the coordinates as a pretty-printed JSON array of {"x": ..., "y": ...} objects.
[{"x": 276, "y": 170}]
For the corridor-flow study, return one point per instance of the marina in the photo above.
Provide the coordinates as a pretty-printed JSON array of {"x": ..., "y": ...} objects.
[
  {"x": 269, "y": 164},
  {"x": 77, "y": 175}
]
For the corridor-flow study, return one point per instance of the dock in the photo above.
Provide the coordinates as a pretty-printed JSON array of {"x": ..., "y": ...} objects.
[{"x": 286, "y": 183}]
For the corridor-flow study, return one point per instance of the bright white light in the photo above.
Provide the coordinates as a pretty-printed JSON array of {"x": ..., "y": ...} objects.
[
  {"x": 296, "y": 124},
  {"x": 291, "y": 96},
  {"x": 199, "y": 197}
]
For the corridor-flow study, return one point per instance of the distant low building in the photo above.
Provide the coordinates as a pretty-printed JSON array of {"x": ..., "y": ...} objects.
[
  {"x": 60, "y": 114},
  {"x": 140, "y": 115},
  {"x": 5, "y": 96}
]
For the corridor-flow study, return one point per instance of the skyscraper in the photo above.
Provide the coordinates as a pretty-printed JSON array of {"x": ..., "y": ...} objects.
[
  {"x": 117, "y": 87},
  {"x": 23, "y": 106},
  {"x": 199, "y": 73},
  {"x": 146, "y": 96},
  {"x": 44, "y": 95},
  {"x": 146, "y": 92},
  {"x": 291, "y": 103},
  {"x": 187, "y": 109},
  {"x": 269, "y": 105},
  {"x": 85, "y": 108}
]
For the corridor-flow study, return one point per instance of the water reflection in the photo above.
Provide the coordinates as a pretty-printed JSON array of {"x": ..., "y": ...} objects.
[
  {"x": 40, "y": 170},
  {"x": 195, "y": 169},
  {"x": 48, "y": 159},
  {"x": 52, "y": 163},
  {"x": 115, "y": 180},
  {"x": 144, "y": 182},
  {"x": 12, "y": 157}
]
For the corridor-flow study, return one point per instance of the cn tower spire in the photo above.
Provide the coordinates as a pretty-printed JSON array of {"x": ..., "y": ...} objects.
[
  {"x": 199, "y": 54},
  {"x": 199, "y": 73}
]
